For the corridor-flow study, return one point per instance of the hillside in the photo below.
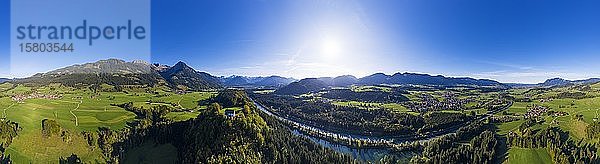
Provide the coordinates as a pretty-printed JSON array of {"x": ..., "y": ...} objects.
[
  {"x": 2, "y": 80},
  {"x": 111, "y": 71},
  {"x": 302, "y": 86},
  {"x": 118, "y": 72},
  {"x": 183, "y": 75},
  {"x": 345, "y": 80}
]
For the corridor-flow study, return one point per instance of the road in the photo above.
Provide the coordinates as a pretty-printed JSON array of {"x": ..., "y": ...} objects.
[{"x": 76, "y": 123}]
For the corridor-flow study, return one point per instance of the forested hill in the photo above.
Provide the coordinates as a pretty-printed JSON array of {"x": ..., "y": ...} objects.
[
  {"x": 247, "y": 137},
  {"x": 183, "y": 75},
  {"x": 302, "y": 86},
  {"x": 119, "y": 73}
]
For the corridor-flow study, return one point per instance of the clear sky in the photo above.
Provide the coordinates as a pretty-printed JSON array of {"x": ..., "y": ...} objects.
[{"x": 504, "y": 40}]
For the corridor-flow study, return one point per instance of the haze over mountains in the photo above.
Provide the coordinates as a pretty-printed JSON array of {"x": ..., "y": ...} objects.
[
  {"x": 270, "y": 81},
  {"x": 182, "y": 76}
]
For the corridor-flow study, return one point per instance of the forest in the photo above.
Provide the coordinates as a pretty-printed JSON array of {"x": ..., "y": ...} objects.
[
  {"x": 353, "y": 120},
  {"x": 213, "y": 137}
]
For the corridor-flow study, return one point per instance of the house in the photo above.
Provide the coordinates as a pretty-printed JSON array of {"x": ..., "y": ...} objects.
[{"x": 230, "y": 113}]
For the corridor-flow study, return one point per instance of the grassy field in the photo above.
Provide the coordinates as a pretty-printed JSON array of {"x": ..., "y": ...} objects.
[
  {"x": 519, "y": 108},
  {"x": 375, "y": 106},
  {"x": 506, "y": 127},
  {"x": 182, "y": 116},
  {"x": 588, "y": 108},
  {"x": 76, "y": 111},
  {"x": 528, "y": 156}
]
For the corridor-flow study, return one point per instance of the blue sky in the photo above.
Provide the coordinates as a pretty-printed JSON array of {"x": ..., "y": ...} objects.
[{"x": 505, "y": 40}]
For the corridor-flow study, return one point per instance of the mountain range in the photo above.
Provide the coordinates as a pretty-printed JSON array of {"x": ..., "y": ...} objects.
[
  {"x": 182, "y": 76},
  {"x": 316, "y": 84},
  {"x": 119, "y": 72},
  {"x": 555, "y": 82},
  {"x": 425, "y": 79},
  {"x": 270, "y": 81},
  {"x": 2, "y": 80}
]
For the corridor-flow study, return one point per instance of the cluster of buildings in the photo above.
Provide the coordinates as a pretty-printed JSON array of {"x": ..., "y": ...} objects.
[
  {"x": 430, "y": 103},
  {"x": 22, "y": 97},
  {"x": 535, "y": 111}
]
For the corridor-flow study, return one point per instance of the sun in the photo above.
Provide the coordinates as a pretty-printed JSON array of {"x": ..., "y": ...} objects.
[{"x": 330, "y": 47}]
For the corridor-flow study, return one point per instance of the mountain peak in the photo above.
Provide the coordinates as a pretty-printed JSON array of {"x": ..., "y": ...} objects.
[
  {"x": 183, "y": 75},
  {"x": 182, "y": 66},
  {"x": 555, "y": 81}
]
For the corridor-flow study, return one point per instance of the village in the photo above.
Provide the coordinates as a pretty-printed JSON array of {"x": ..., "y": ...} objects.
[
  {"x": 535, "y": 111},
  {"x": 20, "y": 98},
  {"x": 430, "y": 103}
]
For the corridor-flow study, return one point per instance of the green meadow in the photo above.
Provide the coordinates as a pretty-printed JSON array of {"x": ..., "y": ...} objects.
[
  {"x": 528, "y": 156},
  {"x": 76, "y": 111}
]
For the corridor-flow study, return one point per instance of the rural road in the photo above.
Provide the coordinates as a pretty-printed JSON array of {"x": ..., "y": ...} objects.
[{"x": 76, "y": 123}]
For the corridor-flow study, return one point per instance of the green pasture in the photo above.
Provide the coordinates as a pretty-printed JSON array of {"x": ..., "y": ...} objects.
[{"x": 528, "y": 156}]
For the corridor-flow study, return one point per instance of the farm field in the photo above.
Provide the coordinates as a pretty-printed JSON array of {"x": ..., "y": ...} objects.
[
  {"x": 529, "y": 156},
  {"x": 78, "y": 110}
]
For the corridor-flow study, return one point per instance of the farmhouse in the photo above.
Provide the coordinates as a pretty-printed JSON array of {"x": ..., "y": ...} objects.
[{"x": 230, "y": 113}]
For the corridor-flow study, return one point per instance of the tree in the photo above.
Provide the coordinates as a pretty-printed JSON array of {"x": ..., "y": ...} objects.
[
  {"x": 50, "y": 127},
  {"x": 214, "y": 108},
  {"x": 73, "y": 159}
]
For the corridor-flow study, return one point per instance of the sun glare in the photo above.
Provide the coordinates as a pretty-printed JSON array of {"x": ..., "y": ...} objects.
[{"x": 330, "y": 47}]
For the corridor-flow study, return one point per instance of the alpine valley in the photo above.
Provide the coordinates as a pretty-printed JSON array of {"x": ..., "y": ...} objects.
[{"x": 114, "y": 111}]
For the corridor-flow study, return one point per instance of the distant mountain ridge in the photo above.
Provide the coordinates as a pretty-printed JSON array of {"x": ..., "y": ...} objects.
[
  {"x": 269, "y": 81},
  {"x": 424, "y": 79},
  {"x": 555, "y": 82},
  {"x": 105, "y": 66},
  {"x": 316, "y": 84},
  {"x": 303, "y": 86},
  {"x": 119, "y": 72},
  {"x": 182, "y": 76},
  {"x": 2, "y": 80}
]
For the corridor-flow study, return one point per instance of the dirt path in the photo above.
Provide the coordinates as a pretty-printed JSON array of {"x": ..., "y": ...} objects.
[
  {"x": 179, "y": 102},
  {"x": 76, "y": 123}
]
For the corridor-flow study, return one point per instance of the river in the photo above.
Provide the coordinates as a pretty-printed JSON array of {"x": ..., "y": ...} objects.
[
  {"x": 371, "y": 153},
  {"x": 367, "y": 154}
]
